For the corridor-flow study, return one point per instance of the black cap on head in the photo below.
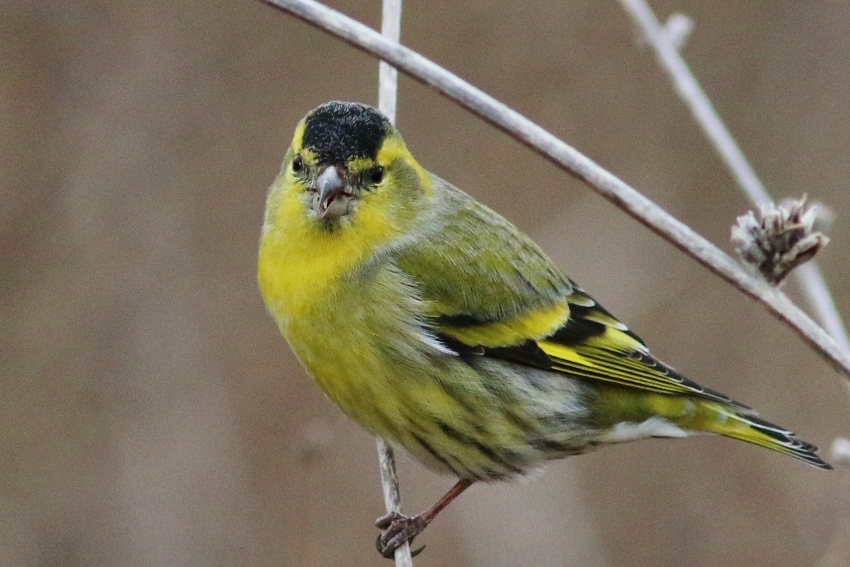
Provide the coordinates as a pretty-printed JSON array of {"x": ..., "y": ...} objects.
[{"x": 340, "y": 131}]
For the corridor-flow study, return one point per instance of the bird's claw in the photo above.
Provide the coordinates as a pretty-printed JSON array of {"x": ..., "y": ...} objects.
[
  {"x": 384, "y": 521},
  {"x": 397, "y": 530}
]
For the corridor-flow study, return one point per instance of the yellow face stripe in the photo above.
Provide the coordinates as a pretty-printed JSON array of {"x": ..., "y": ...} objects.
[
  {"x": 394, "y": 148},
  {"x": 298, "y": 137}
]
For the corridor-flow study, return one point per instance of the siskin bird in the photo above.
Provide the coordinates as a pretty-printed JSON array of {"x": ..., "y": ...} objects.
[{"x": 435, "y": 323}]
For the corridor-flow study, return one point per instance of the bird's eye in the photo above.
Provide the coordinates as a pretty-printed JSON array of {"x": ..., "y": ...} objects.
[
  {"x": 298, "y": 163},
  {"x": 376, "y": 175}
]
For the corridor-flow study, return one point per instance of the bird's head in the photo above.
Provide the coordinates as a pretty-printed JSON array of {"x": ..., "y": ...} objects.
[{"x": 347, "y": 166}]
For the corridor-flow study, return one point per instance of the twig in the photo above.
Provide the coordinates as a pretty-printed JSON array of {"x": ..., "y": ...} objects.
[
  {"x": 387, "y": 74},
  {"x": 573, "y": 162},
  {"x": 820, "y": 299},
  {"x": 709, "y": 120},
  {"x": 387, "y": 98},
  {"x": 392, "y": 496}
]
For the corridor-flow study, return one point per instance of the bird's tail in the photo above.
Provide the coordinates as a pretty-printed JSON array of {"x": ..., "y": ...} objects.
[{"x": 733, "y": 422}]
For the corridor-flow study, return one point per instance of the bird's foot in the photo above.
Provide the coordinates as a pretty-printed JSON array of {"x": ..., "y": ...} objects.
[{"x": 397, "y": 530}]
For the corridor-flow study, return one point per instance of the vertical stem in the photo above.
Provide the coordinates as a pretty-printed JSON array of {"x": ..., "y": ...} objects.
[
  {"x": 387, "y": 97},
  {"x": 387, "y": 74}
]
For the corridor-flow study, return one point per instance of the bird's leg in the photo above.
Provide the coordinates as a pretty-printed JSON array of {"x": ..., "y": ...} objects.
[{"x": 399, "y": 529}]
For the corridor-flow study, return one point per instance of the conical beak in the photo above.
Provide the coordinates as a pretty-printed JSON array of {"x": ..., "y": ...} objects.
[{"x": 332, "y": 199}]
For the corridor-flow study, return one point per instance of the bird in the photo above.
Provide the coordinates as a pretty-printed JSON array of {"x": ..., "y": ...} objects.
[{"x": 436, "y": 324}]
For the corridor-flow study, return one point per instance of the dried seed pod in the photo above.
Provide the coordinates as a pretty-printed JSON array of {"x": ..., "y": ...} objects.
[{"x": 781, "y": 238}]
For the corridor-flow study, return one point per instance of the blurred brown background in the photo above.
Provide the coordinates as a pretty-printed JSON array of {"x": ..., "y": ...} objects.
[{"x": 150, "y": 413}]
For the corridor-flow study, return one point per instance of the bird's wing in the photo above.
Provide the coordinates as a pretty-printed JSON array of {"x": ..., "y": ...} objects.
[
  {"x": 490, "y": 291},
  {"x": 593, "y": 344}
]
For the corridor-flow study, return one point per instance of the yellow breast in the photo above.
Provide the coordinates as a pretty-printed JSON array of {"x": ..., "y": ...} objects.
[{"x": 340, "y": 319}]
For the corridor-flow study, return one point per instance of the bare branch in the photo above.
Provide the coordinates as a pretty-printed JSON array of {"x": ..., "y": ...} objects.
[
  {"x": 392, "y": 496},
  {"x": 667, "y": 51},
  {"x": 573, "y": 162},
  {"x": 387, "y": 74},
  {"x": 691, "y": 92},
  {"x": 387, "y": 98}
]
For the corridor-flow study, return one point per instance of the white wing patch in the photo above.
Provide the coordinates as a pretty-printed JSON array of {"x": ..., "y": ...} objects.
[
  {"x": 652, "y": 427},
  {"x": 429, "y": 339}
]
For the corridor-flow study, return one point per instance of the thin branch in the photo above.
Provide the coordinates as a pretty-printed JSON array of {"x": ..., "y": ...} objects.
[
  {"x": 387, "y": 74},
  {"x": 820, "y": 298},
  {"x": 573, "y": 162},
  {"x": 387, "y": 98},
  {"x": 689, "y": 89},
  {"x": 392, "y": 496}
]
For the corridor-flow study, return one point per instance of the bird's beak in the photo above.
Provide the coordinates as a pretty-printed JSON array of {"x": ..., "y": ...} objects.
[{"x": 332, "y": 199}]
